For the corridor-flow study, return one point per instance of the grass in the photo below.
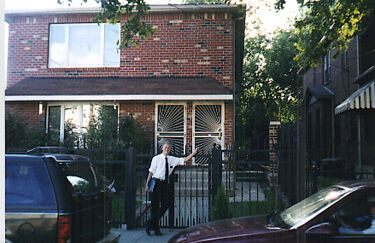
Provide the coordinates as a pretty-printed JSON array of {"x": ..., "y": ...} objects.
[
  {"x": 272, "y": 203},
  {"x": 118, "y": 207},
  {"x": 324, "y": 181}
]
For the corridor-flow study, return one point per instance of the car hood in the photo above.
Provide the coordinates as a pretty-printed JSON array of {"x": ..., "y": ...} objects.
[{"x": 225, "y": 229}]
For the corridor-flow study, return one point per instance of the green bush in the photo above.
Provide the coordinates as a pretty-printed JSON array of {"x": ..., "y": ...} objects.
[
  {"x": 130, "y": 131},
  {"x": 221, "y": 205},
  {"x": 19, "y": 136},
  {"x": 70, "y": 137},
  {"x": 110, "y": 133},
  {"x": 272, "y": 203}
]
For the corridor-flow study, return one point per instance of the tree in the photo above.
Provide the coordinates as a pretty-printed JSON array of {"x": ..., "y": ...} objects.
[
  {"x": 328, "y": 24},
  {"x": 269, "y": 88},
  {"x": 133, "y": 29}
]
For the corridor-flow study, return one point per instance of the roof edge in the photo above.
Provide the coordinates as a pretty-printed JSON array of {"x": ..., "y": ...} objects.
[
  {"x": 367, "y": 74},
  {"x": 173, "y": 8},
  {"x": 38, "y": 98}
]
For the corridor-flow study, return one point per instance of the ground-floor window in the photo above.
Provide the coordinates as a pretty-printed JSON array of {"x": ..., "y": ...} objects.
[{"x": 74, "y": 118}]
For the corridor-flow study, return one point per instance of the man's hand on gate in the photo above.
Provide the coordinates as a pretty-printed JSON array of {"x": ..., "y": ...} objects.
[{"x": 195, "y": 151}]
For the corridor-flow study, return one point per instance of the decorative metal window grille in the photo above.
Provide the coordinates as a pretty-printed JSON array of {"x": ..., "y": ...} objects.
[
  {"x": 207, "y": 129},
  {"x": 171, "y": 128}
]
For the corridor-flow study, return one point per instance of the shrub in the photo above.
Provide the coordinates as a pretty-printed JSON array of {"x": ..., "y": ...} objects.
[
  {"x": 19, "y": 136},
  {"x": 70, "y": 137},
  {"x": 110, "y": 133},
  {"x": 221, "y": 205}
]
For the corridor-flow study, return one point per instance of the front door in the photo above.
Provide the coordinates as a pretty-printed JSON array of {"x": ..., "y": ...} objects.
[
  {"x": 171, "y": 127},
  {"x": 207, "y": 128}
]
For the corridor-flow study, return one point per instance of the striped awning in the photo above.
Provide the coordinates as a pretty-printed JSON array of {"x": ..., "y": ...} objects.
[{"x": 363, "y": 98}]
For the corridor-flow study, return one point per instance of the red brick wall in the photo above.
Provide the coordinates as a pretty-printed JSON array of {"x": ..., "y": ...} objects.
[
  {"x": 341, "y": 79},
  {"x": 28, "y": 113},
  {"x": 342, "y": 85},
  {"x": 228, "y": 123},
  {"x": 185, "y": 45},
  {"x": 189, "y": 123},
  {"x": 272, "y": 134},
  {"x": 143, "y": 112}
]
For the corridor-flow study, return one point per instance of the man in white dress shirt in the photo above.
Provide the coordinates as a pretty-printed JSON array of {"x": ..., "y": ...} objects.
[{"x": 161, "y": 164}]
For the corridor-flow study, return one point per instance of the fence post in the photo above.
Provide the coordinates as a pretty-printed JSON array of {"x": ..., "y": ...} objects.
[
  {"x": 172, "y": 179},
  {"x": 130, "y": 187},
  {"x": 216, "y": 164}
]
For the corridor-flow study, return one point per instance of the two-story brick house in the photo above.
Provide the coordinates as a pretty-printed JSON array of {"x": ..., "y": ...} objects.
[
  {"x": 338, "y": 109},
  {"x": 179, "y": 84}
]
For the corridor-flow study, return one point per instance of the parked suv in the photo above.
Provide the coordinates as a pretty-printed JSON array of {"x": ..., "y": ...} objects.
[{"x": 53, "y": 198}]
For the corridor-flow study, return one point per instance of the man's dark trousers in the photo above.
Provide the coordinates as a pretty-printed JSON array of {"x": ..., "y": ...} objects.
[{"x": 159, "y": 203}]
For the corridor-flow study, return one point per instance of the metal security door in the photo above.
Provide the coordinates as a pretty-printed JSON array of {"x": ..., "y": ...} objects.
[
  {"x": 207, "y": 128},
  {"x": 170, "y": 127}
]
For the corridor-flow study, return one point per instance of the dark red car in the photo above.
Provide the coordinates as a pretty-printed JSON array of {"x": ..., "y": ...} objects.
[{"x": 341, "y": 213}]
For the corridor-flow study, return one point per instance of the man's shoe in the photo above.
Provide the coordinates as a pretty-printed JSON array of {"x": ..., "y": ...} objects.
[
  {"x": 157, "y": 232},
  {"x": 147, "y": 228}
]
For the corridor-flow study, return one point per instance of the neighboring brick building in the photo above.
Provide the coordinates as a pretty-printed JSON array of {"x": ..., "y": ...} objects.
[
  {"x": 179, "y": 84},
  {"x": 339, "y": 102}
]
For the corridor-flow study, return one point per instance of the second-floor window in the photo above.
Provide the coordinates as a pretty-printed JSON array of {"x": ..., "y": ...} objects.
[
  {"x": 345, "y": 60},
  {"x": 327, "y": 68},
  {"x": 84, "y": 45}
]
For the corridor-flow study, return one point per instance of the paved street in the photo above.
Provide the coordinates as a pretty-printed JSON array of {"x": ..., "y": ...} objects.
[{"x": 139, "y": 236}]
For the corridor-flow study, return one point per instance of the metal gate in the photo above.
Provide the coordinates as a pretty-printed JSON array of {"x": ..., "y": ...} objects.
[{"x": 245, "y": 181}]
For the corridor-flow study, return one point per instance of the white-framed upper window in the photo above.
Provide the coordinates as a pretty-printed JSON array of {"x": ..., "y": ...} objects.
[
  {"x": 345, "y": 60},
  {"x": 327, "y": 68},
  {"x": 84, "y": 45}
]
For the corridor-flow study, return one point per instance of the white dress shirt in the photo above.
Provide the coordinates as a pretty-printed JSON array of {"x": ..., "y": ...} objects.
[{"x": 157, "y": 167}]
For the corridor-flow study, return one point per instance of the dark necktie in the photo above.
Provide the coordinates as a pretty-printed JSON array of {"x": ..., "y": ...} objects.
[{"x": 166, "y": 169}]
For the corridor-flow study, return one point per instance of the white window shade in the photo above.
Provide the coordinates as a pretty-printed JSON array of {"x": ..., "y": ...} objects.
[
  {"x": 84, "y": 46},
  {"x": 111, "y": 53},
  {"x": 57, "y": 49}
]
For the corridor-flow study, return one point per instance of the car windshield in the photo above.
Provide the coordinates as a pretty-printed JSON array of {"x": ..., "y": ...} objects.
[{"x": 303, "y": 211}]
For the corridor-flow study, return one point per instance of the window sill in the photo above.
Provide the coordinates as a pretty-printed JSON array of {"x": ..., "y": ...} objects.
[{"x": 64, "y": 69}]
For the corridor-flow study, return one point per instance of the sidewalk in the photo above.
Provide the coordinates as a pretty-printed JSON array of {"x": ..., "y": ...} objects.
[{"x": 139, "y": 235}]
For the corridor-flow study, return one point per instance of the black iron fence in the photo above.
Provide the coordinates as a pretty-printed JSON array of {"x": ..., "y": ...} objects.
[
  {"x": 246, "y": 177},
  {"x": 254, "y": 184},
  {"x": 248, "y": 183}
]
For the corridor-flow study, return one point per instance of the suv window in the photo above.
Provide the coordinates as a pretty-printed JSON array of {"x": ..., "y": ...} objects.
[
  {"x": 81, "y": 176},
  {"x": 27, "y": 185}
]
